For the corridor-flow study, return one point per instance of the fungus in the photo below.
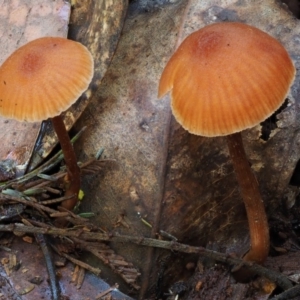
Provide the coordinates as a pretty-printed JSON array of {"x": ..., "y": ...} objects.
[
  {"x": 42, "y": 79},
  {"x": 225, "y": 78}
]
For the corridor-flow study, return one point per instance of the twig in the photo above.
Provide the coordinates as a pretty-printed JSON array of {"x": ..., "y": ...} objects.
[
  {"x": 114, "y": 287},
  {"x": 78, "y": 276},
  {"x": 53, "y": 201},
  {"x": 78, "y": 262},
  {"x": 55, "y": 288},
  {"x": 41, "y": 183},
  {"x": 288, "y": 294},
  {"x": 56, "y": 159},
  {"x": 281, "y": 280},
  {"x": 75, "y": 219},
  {"x": 28, "y": 203},
  {"x": 41, "y": 240}
]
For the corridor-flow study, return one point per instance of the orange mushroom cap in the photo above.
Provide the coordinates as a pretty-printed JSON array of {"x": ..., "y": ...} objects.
[
  {"x": 44, "y": 78},
  {"x": 226, "y": 77}
]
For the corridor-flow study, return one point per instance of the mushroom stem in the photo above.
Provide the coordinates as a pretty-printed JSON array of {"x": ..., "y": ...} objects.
[
  {"x": 71, "y": 163},
  {"x": 257, "y": 218}
]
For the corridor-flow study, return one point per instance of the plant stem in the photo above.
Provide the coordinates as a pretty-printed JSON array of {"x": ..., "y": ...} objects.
[
  {"x": 257, "y": 218},
  {"x": 71, "y": 163}
]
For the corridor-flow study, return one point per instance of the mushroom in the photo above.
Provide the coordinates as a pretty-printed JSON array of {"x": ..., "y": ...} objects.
[
  {"x": 224, "y": 78},
  {"x": 42, "y": 79}
]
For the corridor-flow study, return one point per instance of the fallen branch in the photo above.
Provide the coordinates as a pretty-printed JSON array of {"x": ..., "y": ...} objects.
[
  {"x": 77, "y": 262},
  {"x": 281, "y": 280},
  {"x": 289, "y": 294}
]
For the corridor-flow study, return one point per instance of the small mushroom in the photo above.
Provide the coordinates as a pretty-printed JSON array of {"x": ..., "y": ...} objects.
[
  {"x": 42, "y": 79},
  {"x": 224, "y": 78}
]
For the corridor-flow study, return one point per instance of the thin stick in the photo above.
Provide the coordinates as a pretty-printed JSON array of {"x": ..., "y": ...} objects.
[
  {"x": 35, "y": 205},
  {"x": 54, "y": 285},
  {"x": 43, "y": 168},
  {"x": 78, "y": 262},
  {"x": 281, "y": 280},
  {"x": 41, "y": 240},
  {"x": 292, "y": 293},
  {"x": 99, "y": 296},
  {"x": 53, "y": 201}
]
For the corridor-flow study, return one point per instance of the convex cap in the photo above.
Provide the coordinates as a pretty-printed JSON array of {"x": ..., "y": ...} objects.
[
  {"x": 44, "y": 78},
  {"x": 225, "y": 78}
]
